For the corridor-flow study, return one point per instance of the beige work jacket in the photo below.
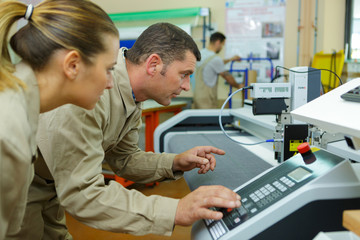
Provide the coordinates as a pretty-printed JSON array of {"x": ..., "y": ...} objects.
[
  {"x": 19, "y": 112},
  {"x": 74, "y": 142}
]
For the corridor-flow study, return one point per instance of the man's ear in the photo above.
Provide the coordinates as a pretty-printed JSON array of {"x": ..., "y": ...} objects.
[
  {"x": 153, "y": 64},
  {"x": 72, "y": 64}
]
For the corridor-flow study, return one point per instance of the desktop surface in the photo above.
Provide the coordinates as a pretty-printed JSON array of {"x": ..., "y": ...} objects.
[{"x": 332, "y": 113}]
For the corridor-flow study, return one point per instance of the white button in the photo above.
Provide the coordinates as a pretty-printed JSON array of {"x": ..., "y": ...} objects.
[
  {"x": 261, "y": 196},
  {"x": 222, "y": 229},
  {"x": 219, "y": 229},
  {"x": 216, "y": 231},
  {"x": 213, "y": 233}
]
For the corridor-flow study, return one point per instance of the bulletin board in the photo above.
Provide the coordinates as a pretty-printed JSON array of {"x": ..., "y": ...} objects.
[{"x": 255, "y": 28}]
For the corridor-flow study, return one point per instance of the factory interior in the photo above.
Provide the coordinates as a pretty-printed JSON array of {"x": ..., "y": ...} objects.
[{"x": 277, "y": 89}]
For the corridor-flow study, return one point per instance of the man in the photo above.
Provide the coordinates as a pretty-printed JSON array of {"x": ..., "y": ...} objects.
[
  {"x": 74, "y": 142},
  {"x": 208, "y": 71}
]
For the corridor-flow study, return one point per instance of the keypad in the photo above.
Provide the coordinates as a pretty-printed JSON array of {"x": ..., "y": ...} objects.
[
  {"x": 287, "y": 181},
  {"x": 216, "y": 228},
  {"x": 251, "y": 204},
  {"x": 352, "y": 95}
]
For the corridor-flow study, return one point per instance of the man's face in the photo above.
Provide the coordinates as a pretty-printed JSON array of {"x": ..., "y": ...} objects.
[
  {"x": 219, "y": 45},
  {"x": 174, "y": 79}
]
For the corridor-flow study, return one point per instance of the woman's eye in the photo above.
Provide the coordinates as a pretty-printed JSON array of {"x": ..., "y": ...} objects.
[{"x": 110, "y": 70}]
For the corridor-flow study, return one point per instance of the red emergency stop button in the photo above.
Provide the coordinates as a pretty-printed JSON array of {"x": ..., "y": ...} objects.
[{"x": 304, "y": 147}]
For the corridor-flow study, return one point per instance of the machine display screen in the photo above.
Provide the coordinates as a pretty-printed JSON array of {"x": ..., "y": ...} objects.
[{"x": 299, "y": 174}]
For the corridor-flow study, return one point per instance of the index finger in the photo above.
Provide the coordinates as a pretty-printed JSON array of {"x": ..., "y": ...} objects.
[{"x": 211, "y": 149}]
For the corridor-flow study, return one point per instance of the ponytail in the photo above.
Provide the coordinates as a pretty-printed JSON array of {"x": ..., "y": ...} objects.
[
  {"x": 10, "y": 12},
  {"x": 52, "y": 25}
]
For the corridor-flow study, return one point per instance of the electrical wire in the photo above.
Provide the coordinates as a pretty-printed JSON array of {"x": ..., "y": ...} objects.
[
  {"x": 333, "y": 60},
  {"x": 286, "y": 76},
  {"x": 223, "y": 130},
  {"x": 311, "y": 70}
]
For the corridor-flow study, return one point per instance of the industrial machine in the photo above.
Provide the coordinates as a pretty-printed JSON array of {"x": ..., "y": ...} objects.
[
  {"x": 294, "y": 200},
  {"x": 269, "y": 119},
  {"x": 280, "y": 99},
  {"x": 289, "y": 199}
]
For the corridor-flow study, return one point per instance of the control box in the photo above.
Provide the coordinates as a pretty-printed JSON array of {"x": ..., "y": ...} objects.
[{"x": 271, "y": 90}]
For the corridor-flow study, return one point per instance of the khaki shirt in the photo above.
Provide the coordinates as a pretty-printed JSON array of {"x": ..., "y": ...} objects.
[
  {"x": 18, "y": 125},
  {"x": 74, "y": 142}
]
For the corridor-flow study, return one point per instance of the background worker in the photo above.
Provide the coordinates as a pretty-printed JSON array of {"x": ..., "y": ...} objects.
[
  {"x": 208, "y": 71},
  {"x": 61, "y": 63},
  {"x": 74, "y": 142}
]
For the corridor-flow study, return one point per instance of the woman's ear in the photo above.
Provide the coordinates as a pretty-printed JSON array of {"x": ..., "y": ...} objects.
[
  {"x": 153, "y": 64},
  {"x": 72, "y": 64}
]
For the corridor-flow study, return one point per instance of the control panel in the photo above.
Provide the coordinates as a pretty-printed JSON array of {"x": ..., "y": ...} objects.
[{"x": 271, "y": 188}]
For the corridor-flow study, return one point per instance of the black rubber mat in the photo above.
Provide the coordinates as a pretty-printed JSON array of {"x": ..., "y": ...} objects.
[{"x": 233, "y": 169}]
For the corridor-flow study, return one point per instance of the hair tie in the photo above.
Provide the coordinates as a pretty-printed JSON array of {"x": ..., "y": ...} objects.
[{"x": 29, "y": 12}]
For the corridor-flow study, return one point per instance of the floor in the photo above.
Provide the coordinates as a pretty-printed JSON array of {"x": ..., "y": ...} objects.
[{"x": 175, "y": 189}]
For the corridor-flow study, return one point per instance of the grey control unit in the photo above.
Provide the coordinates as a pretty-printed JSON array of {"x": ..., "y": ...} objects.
[{"x": 291, "y": 201}]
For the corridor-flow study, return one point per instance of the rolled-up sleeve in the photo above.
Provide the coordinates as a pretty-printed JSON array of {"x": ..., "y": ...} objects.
[
  {"x": 128, "y": 161},
  {"x": 70, "y": 140}
]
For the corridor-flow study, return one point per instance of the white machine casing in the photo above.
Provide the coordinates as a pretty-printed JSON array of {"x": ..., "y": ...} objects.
[{"x": 305, "y": 85}]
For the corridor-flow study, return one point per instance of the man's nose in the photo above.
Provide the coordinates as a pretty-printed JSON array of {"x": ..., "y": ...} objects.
[{"x": 186, "y": 84}]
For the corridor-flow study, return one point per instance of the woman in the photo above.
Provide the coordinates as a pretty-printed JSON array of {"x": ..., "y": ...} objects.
[{"x": 68, "y": 49}]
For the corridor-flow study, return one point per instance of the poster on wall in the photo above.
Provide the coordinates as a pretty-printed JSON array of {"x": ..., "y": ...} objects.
[{"x": 255, "y": 32}]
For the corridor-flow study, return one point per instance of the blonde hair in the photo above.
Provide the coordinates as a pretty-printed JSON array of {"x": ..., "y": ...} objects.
[{"x": 54, "y": 24}]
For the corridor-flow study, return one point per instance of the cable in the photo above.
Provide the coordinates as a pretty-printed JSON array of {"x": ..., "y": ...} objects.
[
  {"x": 330, "y": 76},
  {"x": 279, "y": 76},
  {"x": 311, "y": 70},
  {"x": 334, "y": 57},
  {"x": 223, "y": 130}
]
